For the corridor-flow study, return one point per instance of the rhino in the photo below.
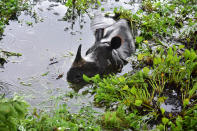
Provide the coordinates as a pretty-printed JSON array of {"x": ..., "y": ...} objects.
[{"x": 114, "y": 43}]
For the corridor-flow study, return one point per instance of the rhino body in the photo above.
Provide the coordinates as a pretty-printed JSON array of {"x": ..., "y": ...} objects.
[{"x": 114, "y": 43}]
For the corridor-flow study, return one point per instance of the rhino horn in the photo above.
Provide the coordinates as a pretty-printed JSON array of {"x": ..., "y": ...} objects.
[{"x": 78, "y": 57}]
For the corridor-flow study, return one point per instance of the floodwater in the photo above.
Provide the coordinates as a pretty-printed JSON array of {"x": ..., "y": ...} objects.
[{"x": 48, "y": 47}]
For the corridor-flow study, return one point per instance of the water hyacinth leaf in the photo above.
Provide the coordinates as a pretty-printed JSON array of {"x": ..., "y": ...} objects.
[
  {"x": 121, "y": 79},
  {"x": 68, "y": 3},
  {"x": 5, "y": 108},
  {"x": 125, "y": 87},
  {"x": 146, "y": 71},
  {"x": 139, "y": 39},
  {"x": 138, "y": 102},
  {"x": 165, "y": 120},
  {"x": 181, "y": 46},
  {"x": 157, "y": 60},
  {"x": 140, "y": 57},
  {"x": 96, "y": 78},
  {"x": 133, "y": 90}
]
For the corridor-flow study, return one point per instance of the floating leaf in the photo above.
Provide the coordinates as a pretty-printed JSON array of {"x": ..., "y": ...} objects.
[
  {"x": 25, "y": 84},
  {"x": 45, "y": 73}
]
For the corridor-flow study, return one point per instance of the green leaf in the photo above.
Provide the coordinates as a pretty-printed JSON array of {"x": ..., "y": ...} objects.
[
  {"x": 170, "y": 51},
  {"x": 146, "y": 71},
  {"x": 186, "y": 54},
  {"x": 45, "y": 73},
  {"x": 184, "y": 1},
  {"x": 121, "y": 79},
  {"x": 138, "y": 102},
  {"x": 25, "y": 84},
  {"x": 193, "y": 90},
  {"x": 139, "y": 39},
  {"x": 5, "y": 108},
  {"x": 125, "y": 87},
  {"x": 162, "y": 110},
  {"x": 165, "y": 120},
  {"x": 140, "y": 57},
  {"x": 185, "y": 102},
  {"x": 87, "y": 79},
  {"x": 133, "y": 90},
  {"x": 181, "y": 46},
  {"x": 157, "y": 60}
]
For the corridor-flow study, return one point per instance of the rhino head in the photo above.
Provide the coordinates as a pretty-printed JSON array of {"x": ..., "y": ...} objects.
[
  {"x": 114, "y": 43},
  {"x": 99, "y": 59}
]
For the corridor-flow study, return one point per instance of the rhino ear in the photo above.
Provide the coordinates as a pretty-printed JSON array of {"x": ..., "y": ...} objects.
[
  {"x": 78, "y": 57},
  {"x": 116, "y": 42}
]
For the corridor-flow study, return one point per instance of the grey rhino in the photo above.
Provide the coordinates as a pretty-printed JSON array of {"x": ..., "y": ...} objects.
[{"x": 114, "y": 43}]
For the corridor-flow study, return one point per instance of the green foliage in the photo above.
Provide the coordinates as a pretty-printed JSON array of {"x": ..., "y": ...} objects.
[
  {"x": 120, "y": 120},
  {"x": 60, "y": 119},
  {"x": 138, "y": 91},
  {"x": 79, "y": 7},
  {"x": 11, "y": 110},
  {"x": 133, "y": 101},
  {"x": 9, "y": 9},
  {"x": 161, "y": 20}
]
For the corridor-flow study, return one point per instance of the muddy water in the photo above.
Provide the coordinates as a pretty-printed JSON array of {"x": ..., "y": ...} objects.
[{"x": 48, "y": 48}]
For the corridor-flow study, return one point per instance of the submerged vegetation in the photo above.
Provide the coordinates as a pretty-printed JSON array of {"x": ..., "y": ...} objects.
[{"x": 159, "y": 94}]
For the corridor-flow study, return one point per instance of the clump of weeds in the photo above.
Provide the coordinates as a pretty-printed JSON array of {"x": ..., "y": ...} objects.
[
  {"x": 144, "y": 93},
  {"x": 10, "y": 10},
  {"x": 169, "y": 20}
]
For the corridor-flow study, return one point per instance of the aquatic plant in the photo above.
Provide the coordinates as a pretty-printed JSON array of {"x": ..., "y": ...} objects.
[
  {"x": 79, "y": 7},
  {"x": 163, "y": 75},
  {"x": 171, "y": 20},
  {"x": 145, "y": 91},
  {"x": 11, "y": 111},
  {"x": 60, "y": 119},
  {"x": 9, "y": 10}
]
